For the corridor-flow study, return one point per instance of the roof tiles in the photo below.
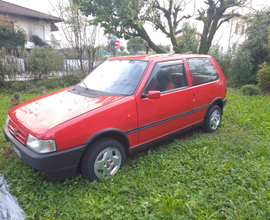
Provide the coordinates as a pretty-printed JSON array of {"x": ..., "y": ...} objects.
[{"x": 9, "y": 8}]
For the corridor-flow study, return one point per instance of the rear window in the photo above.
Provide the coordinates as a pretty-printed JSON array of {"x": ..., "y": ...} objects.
[{"x": 201, "y": 70}]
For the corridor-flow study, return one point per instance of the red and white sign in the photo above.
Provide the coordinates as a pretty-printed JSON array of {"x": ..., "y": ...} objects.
[{"x": 117, "y": 43}]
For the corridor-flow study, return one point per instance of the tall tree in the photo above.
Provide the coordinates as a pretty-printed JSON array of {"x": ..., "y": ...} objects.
[
  {"x": 213, "y": 16},
  {"x": 127, "y": 18}
]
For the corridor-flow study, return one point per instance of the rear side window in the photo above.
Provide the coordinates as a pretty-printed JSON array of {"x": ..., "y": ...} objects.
[
  {"x": 201, "y": 70},
  {"x": 167, "y": 76}
]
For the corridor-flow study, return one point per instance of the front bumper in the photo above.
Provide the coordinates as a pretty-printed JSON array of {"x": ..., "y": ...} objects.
[{"x": 57, "y": 166}]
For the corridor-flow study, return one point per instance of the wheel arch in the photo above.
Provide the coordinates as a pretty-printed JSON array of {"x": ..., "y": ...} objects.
[
  {"x": 114, "y": 133},
  {"x": 219, "y": 102}
]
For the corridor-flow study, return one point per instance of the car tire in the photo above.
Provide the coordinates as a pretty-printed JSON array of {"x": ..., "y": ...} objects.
[
  {"x": 212, "y": 119},
  {"x": 102, "y": 159}
]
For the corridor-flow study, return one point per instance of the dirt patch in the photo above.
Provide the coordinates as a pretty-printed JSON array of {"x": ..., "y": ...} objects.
[{"x": 8, "y": 151}]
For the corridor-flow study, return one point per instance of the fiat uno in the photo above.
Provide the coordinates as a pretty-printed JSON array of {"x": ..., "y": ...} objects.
[{"x": 125, "y": 105}]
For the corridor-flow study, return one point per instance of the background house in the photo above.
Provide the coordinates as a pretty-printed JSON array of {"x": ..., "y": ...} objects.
[
  {"x": 231, "y": 35},
  {"x": 33, "y": 22}
]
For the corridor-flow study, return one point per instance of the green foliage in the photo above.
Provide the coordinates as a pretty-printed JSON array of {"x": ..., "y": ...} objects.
[
  {"x": 11, "y": 37},
  {"x": 40, "y": 85},
  {"x": 263, "y": 75},
  {"x": 250, "y": 90},
  {"x": 223, "y": 175},
  {"x": 123, "y": 53},
  {"x": 165, "y": 48},
  {"x": 189, "y": 38},
  {"x": 224, "y": 61},
  {"x": 126, "y": 19},
  {"x": 237, "y": 68},
  {"x": 38, "y": 41},
  {"x": 8, "y": 66},
  {"x": 43, "y": 60},
  {"x": 242, "y": 68},
  {"x": 257, "y": 32},
  {"x": 138, "y": 43}
]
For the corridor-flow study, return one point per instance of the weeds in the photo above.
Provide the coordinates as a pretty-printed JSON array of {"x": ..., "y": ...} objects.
[{"x": 223, "y": 175}]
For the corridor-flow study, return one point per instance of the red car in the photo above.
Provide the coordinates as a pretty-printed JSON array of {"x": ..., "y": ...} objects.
[{"x": 125, "y": 105}]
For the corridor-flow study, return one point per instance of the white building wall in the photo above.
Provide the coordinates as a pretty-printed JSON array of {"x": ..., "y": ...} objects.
[
  {"x": 231, "y": 34},
  {"x": 33, "y": 27}
]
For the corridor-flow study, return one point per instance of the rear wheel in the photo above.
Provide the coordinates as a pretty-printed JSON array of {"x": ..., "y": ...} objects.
[
  {"x": 212, "y": 119},
  {"x": 102, "y": 159}
]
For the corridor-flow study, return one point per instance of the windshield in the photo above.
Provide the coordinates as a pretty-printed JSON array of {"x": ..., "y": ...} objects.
[{"x": 116, "y": 76}]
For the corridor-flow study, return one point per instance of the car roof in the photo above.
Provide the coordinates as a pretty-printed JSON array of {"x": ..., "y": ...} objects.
[{"x": 160, "y": 57}]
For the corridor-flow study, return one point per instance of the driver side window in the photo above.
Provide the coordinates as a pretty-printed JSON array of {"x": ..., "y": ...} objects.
[{"x": 167, "y": 77}]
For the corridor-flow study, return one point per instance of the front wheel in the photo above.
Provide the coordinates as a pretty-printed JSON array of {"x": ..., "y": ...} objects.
[
  {"x": 102, "y": 159},
  {"x": 212, "y": 119}
]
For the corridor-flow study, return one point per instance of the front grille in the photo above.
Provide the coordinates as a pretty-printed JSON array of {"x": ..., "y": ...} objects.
[{"x": 17, "y": 132}]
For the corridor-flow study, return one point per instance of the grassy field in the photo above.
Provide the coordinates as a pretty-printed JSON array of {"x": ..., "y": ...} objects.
[{"x": 223, "y": 175}]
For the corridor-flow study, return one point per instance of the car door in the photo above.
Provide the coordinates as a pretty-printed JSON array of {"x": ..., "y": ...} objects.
[
  {"x": 170, "y": 112},
  {"x": 205, "y": 86}
]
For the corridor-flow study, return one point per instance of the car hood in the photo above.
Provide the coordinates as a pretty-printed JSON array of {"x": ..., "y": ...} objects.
[{"x": 47, "y": 112}]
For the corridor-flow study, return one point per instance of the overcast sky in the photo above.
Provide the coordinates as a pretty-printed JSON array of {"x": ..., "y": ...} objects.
[{"x": 45, "y": 6}]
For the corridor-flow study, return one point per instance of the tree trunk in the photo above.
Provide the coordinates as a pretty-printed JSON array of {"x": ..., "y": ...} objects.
[{"x": 143, "y": 34}]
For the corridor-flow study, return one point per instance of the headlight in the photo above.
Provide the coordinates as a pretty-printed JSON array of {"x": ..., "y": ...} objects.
[
  {"x": 7, "y": 120},
  {"x": 40, "y": 146}
]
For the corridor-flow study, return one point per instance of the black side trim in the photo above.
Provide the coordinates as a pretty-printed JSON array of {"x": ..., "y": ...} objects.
[
  {"x": 201, "y": 108},
  {"x": 165, "y": 120},
  {"x": 161, "y": 139},
  {"x": 132, "y": 131}
]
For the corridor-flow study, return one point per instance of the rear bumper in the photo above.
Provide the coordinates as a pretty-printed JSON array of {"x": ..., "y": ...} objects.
[{"x": 57, "y": 166}]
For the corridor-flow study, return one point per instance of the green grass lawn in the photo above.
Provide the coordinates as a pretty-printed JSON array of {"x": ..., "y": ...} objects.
[{"x": 223, "y": 175}]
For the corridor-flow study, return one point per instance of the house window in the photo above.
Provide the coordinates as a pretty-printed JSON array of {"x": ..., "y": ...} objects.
[{"x": 39, "y": 31}]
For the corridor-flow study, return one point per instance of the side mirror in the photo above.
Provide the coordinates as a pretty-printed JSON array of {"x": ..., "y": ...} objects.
[{"x": 153, "y": 95}]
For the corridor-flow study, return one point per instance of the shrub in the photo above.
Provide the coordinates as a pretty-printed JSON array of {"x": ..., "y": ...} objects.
[
  {"x": 250, "y": 90},
  {"x": 242, "y": 68},
  {"x": 43, "y": 60},
  {"x": 59, "y": 82},
  {"x": 8, "y": 66},
  {"x": 38, "y": 41},
  {"x": 11, "y": 37},
  {"x": 263, "y": 76},
  {"x": 189, "y": 38},
  {"x": 237, "y": 68},
  {"x": 224, "y": 61},
  {"x": 43, "y": 84}
]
